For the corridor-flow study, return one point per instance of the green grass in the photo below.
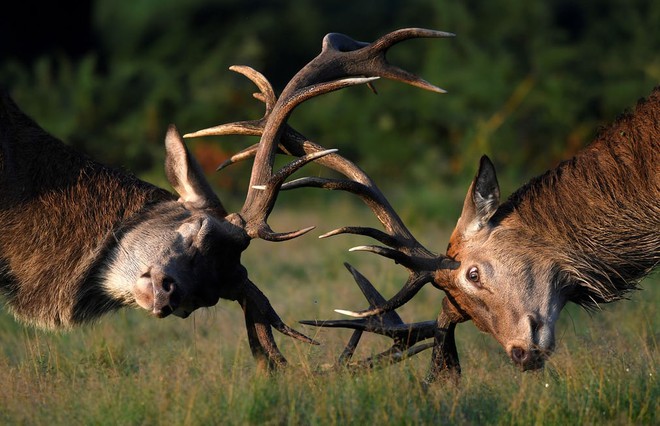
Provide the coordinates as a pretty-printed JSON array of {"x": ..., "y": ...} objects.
[{"x": 131, "y": 369}]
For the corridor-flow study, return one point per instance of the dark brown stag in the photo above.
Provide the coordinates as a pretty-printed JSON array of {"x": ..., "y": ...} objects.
[{"x": 80, "y": 239}]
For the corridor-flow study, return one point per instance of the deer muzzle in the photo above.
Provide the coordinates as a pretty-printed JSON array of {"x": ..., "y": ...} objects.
[
  {"x": 526, "y": 357},
  {"x": 531, "y": 354},
  {"x": 158, "y": 293}
]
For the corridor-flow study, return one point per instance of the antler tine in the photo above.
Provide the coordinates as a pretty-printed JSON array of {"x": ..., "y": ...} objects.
[
  {"x": 260, "y": 317},
  {"x": 247, "y": 128},
  {"x": 260, "y": 302},
  {"x": 239, "y": 156},
  {"x": 374, "y": 298},
  {"x": 267, "y": 94},
  {"x": 389, "y": 357},
  {"x": 252, "y": 127},
  {"x": 244, "y": 154},
  {"x": 396, "y": 73},
  {"x": 365, "y": 188},
  {"x": 405, "y": 336},
  {"x": 256, "y": 226},
  {"x": 396, "y": 255},
  {"x": 374, "y": 233},
  {"x": 416, "y": 280},
  {"x": 397, "y": 36}
]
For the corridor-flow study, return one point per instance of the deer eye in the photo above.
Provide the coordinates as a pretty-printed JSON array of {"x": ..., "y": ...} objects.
[{"x": 473, "y": 276}]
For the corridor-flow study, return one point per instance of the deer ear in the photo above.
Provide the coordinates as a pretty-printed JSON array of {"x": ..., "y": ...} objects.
[
  {"x": 186, "y": 176},
  {"x": 482, "y": 198}
]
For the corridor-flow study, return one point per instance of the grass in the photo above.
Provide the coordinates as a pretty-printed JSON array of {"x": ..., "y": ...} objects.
[{"x": 132, "y": 369}]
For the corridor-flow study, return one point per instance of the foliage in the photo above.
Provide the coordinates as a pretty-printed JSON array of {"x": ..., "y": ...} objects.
[{"x": 529, "y": 82}]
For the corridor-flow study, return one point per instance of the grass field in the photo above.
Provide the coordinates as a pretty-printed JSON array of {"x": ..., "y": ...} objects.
[{"x": 132, "y": 369}]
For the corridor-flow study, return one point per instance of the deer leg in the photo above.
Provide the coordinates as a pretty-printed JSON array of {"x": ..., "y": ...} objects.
[
  {"x": 444, "y": 359},
  {"x": 260, "y": 336}
]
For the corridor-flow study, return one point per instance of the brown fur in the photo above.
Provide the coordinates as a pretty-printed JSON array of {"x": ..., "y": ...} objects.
[
  {"x": 599, "y": 213},
  {"x": 80, "y": 239},
  {"x": 586, "y": 231},
  {"x": 58, "y": 212}
]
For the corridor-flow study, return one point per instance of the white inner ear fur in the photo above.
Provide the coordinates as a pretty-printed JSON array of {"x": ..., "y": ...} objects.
[
  {"x": 189, "y": 194},
  {"x": 485, "y": 206},
  {"x": 179, "y": 162}
]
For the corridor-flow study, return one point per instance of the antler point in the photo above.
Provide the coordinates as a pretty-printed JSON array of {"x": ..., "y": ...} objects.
[{"x": 349, "y": 313}]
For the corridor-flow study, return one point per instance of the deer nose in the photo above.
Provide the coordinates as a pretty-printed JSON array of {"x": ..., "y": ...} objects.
[
  {"x": 519, "y": 355},
  {"x": 158, "y": 292},
  {"x": 527, "y": 359}
]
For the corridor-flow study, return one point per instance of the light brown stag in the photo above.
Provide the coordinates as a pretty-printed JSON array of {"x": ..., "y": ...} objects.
[{"x": 584, "y": 232}]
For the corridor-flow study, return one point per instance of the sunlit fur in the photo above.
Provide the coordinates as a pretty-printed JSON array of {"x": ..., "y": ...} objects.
[
  {"x": 585, "y": 232},
  {"x": 79, "y": 239}
]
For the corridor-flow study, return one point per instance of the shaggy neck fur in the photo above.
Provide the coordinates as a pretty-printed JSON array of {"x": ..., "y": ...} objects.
[{"x": 598, "y": 214}]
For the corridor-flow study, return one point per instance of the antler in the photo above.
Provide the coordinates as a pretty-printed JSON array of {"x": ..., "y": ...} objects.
[
  {"x": 342, "y": 62},
  {"x": 405, "y": 336},
  {"x": 404, "y": 249}
]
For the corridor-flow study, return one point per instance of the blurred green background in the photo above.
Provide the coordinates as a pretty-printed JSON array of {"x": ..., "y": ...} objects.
[{"x": 529, "y": 82}]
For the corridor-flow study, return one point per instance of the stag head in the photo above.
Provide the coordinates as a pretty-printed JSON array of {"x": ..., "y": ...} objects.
[
  {"x": 585, "y": 232},
  {"x": 494, "y": 285},
  {"x": 183, "y": 255}
]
